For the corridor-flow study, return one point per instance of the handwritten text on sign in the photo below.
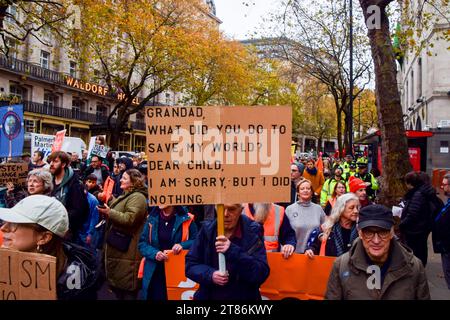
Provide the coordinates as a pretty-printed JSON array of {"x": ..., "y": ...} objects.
[
  {"x": 27, "y": 276},
  {"x": 210, "y": 155},
  {"x": 13, "y": 172}
]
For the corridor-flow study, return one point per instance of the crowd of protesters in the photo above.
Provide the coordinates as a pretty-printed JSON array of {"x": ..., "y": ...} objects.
[{"x": 122, "y": 244}]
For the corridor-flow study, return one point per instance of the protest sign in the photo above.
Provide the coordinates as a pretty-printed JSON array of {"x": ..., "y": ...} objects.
[
  {"x": 213, "y": 155},
  {"x": 108, "y": 188},
  {"x": 27, "y": 276},
  {"x": 44, "y": 143},
  {"x": 59, "y": 139},
  {"x": 15, "y": 172},
  {"x": 100, "y": 150},
  {"x": 298, "y": 277},
  {"x": 11, "y": 131}
]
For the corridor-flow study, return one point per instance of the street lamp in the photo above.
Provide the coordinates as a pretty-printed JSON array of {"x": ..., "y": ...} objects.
[{"x": 351, "y": 76}]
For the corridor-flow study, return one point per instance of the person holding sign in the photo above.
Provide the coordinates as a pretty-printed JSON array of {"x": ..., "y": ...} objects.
[
  {"x": 125, "y": 215},
  {"x": 167, "y": 228},
  {"x": 38, "y": 224},
  {"x": 339, "y": 230},
  {"x": 304, "y": 215},
  {"x": 245, "y": 254}
]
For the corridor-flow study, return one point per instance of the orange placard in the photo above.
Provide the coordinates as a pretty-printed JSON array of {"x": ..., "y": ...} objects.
[
  {"x": 297, "y": 277},
  {"x": 108, "y": 188},
  {"x": 1, "y": 238},
  {"x": 59, "y": 138}
]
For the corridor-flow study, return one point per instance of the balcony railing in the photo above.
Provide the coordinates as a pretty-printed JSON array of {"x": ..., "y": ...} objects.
[
  {"x": 74, "y": 114},
  {"x": 32, "y": 70}
]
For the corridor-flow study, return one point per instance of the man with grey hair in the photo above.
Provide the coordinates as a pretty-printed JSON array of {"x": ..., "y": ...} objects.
[
  {"x": 441, "y": 231},
  {"x": 377, "y": 267}
]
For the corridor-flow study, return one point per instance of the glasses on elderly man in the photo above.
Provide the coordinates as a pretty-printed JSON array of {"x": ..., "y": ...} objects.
[{"x": 369, "y": 233}]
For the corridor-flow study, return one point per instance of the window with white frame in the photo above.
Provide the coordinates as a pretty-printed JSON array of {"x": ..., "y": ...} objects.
[
  {"x": 12, "y": 47},
  {"x": 73, "y": 69},
  {"x": 50, "y": 99},
  {"x": 11, "y": 13},
  {"x": 18, "y": 91},
  {"x": 101, "y": 111},
  {"x": 45, "y": 59}
]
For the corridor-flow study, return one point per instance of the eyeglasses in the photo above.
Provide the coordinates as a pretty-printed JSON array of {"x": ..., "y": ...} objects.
[
  {"x": 294, "y": 170},
  {"x": 369, "y": 234}
]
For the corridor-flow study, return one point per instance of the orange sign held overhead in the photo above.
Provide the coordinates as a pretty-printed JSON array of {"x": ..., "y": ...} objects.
[
  {"x": 297, "y": 277},
  {"x": 59, "y": 139},
  {"x": 108, "y": 188}
]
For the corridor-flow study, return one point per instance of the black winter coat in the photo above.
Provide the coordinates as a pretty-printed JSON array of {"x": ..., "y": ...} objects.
[
  {"x": 416, "y": 215},
  {"x": 82, "y": 262}
]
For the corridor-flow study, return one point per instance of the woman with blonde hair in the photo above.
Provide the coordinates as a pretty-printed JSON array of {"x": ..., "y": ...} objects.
[
  {"x": 336, "y": 235},
  {"x": 304, "y": 215}
]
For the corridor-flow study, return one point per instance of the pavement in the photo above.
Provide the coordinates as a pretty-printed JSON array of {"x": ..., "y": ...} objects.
[{"x": 435, "y": 275}]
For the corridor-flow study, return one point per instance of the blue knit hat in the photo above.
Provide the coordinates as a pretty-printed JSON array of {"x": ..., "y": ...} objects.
[{"x": 300, "y": 167}]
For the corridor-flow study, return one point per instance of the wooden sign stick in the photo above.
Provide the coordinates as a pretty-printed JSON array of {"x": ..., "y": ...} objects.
[{"x": 221, "y": 232}]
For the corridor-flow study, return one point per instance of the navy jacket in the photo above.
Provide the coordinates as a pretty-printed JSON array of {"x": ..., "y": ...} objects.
[
  {"x": 441, "y": 230},
  {"x": 246, "y": 263}
]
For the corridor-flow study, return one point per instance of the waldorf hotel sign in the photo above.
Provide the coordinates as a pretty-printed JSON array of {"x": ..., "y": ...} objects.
[{"x": 95, "y": 89}]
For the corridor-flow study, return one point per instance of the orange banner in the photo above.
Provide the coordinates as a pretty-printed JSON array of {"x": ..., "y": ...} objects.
[
  {"x": 297, "y": 277},
  {"x": 108, "y": 188}
]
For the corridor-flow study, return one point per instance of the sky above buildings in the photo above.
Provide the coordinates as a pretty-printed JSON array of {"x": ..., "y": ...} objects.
[{"x": 240, "y": 21}]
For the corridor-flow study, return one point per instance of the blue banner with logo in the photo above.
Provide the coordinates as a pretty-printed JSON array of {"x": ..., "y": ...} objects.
[{"x": 11, "y": 131}]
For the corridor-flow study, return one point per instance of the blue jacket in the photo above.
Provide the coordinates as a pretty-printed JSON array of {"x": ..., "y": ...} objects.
[
  {"x": 89, "y": 226},
  {"x": 246, "y": 264},
  {"x": 150, "y": 249}
]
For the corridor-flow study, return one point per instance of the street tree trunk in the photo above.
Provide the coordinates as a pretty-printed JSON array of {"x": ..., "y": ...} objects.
[{"x": 394, "y": 155}]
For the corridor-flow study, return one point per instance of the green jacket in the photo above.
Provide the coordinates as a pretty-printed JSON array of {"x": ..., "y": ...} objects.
[
  {"x": 405, "y": 278},
  {"x": 128, "y": 213}
]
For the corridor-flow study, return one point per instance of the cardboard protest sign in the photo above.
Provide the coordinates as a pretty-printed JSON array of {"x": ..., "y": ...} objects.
[
  {"x": 27, "y": 276},
  {"x": 212, "y": 155},
  {"x": 59, "y": 139},
  {"x": 100, "y": 150},
  {"x": 297, "y": 277},
  {"x": 14, "y": 172},
  {"x": 108, "y": 188}
]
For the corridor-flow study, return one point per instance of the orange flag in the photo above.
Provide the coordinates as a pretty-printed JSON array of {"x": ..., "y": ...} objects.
[{"x": 319, "y": 163}]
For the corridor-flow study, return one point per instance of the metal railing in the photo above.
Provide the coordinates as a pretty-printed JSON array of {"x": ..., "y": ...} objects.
[
  {"x": 32, "y": 70},
  {"x": 74, "y": 114}
]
